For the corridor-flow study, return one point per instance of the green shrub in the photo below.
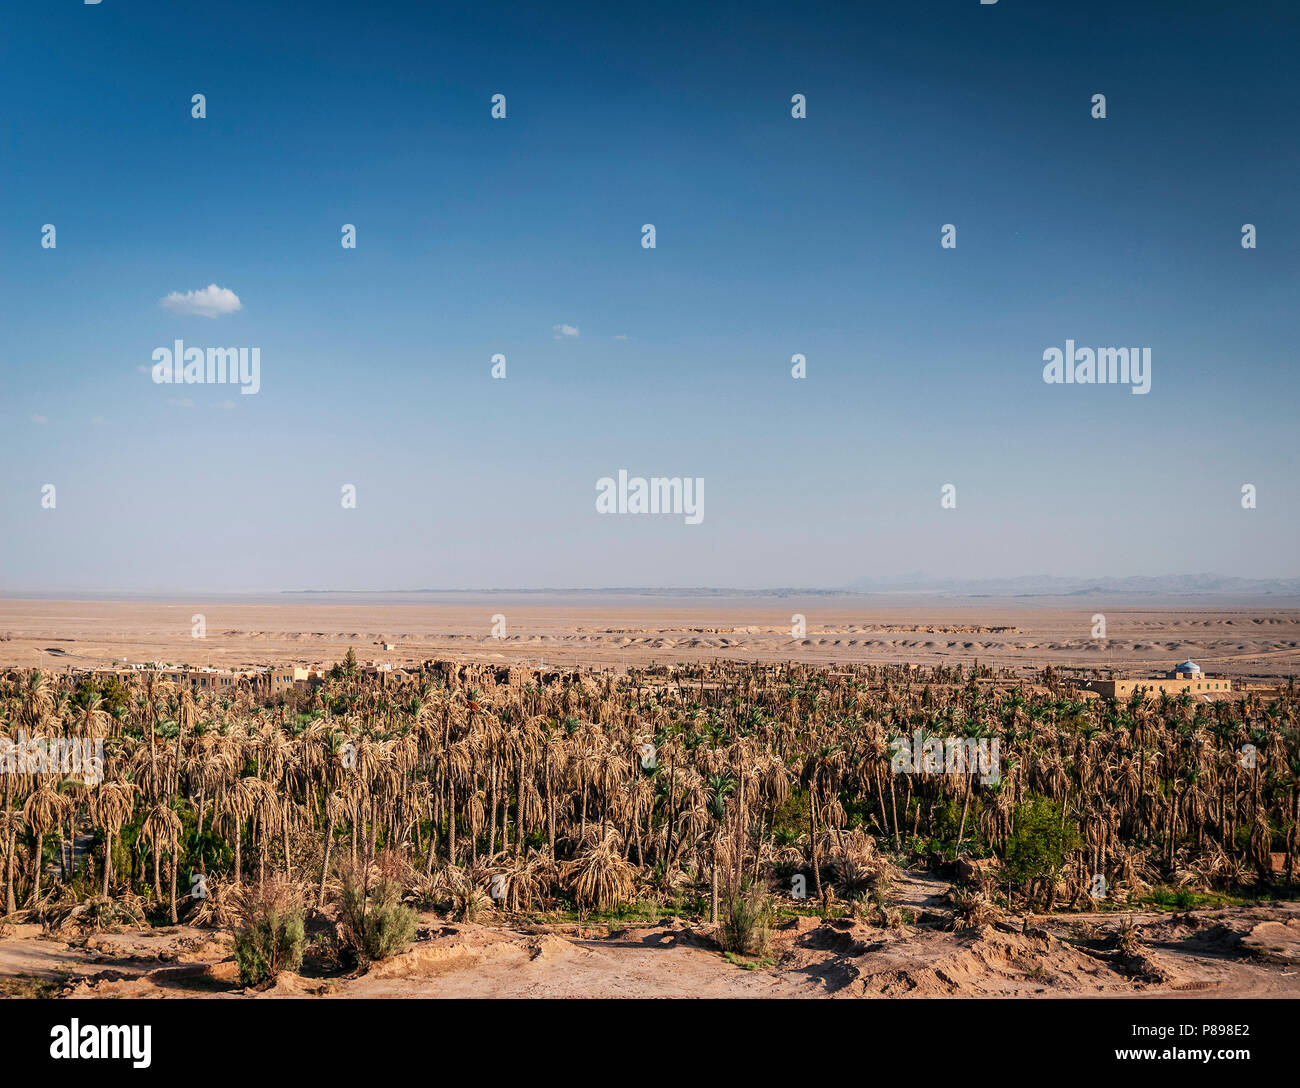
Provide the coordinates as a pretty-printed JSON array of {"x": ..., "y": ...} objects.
[
  {"x": 374, "y": 923},
  {"x": 270, "y": 937},
  {"x": 1039, "y": 845},
  {"x": 746, "y": 924},
  {"x": 1178, "y": 898}
]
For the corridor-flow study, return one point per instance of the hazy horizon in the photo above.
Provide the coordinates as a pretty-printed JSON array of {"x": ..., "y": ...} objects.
[{"x": 1144, "y": 592}]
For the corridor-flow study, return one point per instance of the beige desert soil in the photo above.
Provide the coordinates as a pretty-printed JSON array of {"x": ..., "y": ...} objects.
[
  {"x": 620, "y": 631},
  {"x": 1224, "y": 952}
]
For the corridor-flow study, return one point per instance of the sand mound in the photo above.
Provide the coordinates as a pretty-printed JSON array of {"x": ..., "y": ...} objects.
[
  {"x": 917, "y": 962},
  {"x": 1275, "y": 942}
]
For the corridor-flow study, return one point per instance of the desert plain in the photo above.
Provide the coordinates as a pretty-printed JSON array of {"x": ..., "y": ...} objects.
[{"x": 1259, "y": 638}]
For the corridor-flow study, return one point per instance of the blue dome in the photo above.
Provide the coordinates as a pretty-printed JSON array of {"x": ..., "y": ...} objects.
[{"x": 1188, "y": 666}]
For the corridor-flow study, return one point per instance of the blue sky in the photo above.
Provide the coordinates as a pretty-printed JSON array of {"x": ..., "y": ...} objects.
[{"x": 774, "y": 236}]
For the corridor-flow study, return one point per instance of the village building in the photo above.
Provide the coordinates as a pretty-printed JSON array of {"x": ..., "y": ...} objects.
[
  {"x": 1186, "y": 678},
  {"x": 269, "y": 681}
]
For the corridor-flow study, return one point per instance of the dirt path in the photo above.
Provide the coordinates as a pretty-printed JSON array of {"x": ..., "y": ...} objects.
[{"x": 920, "y": 891}]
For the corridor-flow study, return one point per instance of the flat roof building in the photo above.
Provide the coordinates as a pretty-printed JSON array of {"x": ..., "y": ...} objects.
[
  {"x": 268, "y": 681},
  {"x": 1186, "y": 678}
]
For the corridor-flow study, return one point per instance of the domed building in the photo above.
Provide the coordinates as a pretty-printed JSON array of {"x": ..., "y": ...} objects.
[{"x": 1187, "y": 678}]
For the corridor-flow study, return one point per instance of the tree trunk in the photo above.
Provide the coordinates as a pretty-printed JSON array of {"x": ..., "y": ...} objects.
[
  {"x": 961, "y": 830},
  {"x": 108, "y": 859},
  {"x": 325, "y": 860},
  {"x": 1295, "y": 834},
  {"x": 519, "y": 811},
  {"x": 713, "y": 896},
  {"x": 451, "y": 827},
  {"x": 11, "y": 850},
  {"x": 433, "y": 841},
  {"x": 737, "y": 875},
  {"x": 550, "y": 817},
  {"x": 36, "y": 885},
  {"x": 812, "y": 840},
  {"x": 672, "y": 807},
  {"x": 492, "y": 813},
  {"x": 893, "y": 806},
  {"x": 175, "y": 865}
]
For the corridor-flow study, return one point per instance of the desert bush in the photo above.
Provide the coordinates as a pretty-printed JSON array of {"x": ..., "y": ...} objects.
[
  {"x": 374, "y": 922},
  {"x": 458, "y": 892},
  {"x": 972, "y": 908},
  {"x": 216, "y": 905},
  {"x": 270, "y": 937},
  {"x": 469, "y": 902},
  {"x": 99, "y": 912},
  {"x": 745, "y": 923},
  {"x": 1128, "y": 939}
]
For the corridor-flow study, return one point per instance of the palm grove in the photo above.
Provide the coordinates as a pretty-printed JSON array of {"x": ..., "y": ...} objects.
[{"x": 480, "y": 789}]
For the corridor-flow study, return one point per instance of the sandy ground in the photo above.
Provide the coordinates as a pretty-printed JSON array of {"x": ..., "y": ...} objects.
[
  {"x": 1240, "y": 641},
  {"x": 1228, "y": 952}
]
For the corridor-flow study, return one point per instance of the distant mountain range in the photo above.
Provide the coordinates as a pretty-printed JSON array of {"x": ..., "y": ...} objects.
[
  {"x": 1042, "y": 585},
  {"x": 920, "y": 584}
]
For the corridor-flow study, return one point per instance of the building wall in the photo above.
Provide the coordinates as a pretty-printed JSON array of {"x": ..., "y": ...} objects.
[
  {"x": 266, "y": 681},
  {"x": 1123, "y": 689}
]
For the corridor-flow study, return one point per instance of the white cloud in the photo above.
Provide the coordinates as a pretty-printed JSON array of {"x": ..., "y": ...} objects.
[
  {"x": 182, "y": 402},
  {"x": 210, "y": 301},
  {"x": 622, "y": 336},
  {"x": 39, "y": 420},
  {"x": 561, "y": 331}
]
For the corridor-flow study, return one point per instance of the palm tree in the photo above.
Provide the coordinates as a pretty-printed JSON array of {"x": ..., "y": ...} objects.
[
  {"x": 821, "y": 774},
  {"x": 112, "y": 807},
  {"x": 717, "y": 789},
  {"x": 336, "y": 809},
  {"x": 11, "y": 826},
  {"x": 601, "y": 876},
  {"x": 162, "y": 829},
  {"x": 1154, "y": 785},
  {"x": 42, "y": 813}
]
